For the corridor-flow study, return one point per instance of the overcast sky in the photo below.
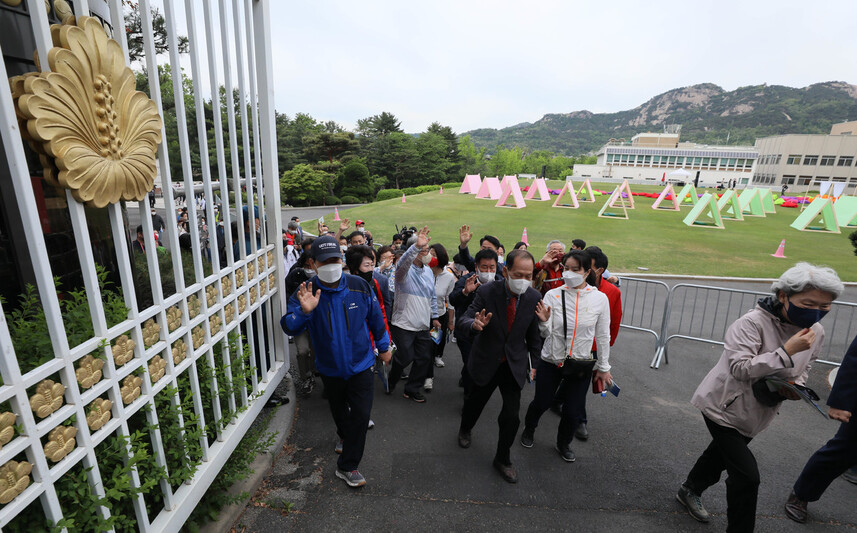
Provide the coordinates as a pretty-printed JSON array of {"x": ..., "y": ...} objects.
[{"x": 471, "y": 64}]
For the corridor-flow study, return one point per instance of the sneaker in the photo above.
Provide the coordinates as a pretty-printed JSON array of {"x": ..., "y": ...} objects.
[
  {"x": 581, "y": 433},
  {"x": 338, "y": 448},
  {"x": 527, "y": 437},
  {"x": 415, "y": 396},
  {"x": 438, "y": 362},
  {"x": 405, "y": 375},
  {"x": 796, "y": 509},
  {"x": 353, "y": 478},
  {"x": 371, "y": 424},
  {"x": 307, "y": 387},
  {"x": 693, "y": 503},
  {"x": 566, "y": 453},
  {"x": 429, "y": 384},
  {"x": 452, "y": 338}
]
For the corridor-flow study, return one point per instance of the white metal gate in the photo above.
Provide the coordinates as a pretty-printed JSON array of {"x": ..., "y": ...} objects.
[{"x": 175, "y": 368}]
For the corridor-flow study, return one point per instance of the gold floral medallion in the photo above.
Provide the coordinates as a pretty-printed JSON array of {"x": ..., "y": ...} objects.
[
  {"x": 7, "y": 427},
  {"x": 47, "y": 399},
  {"x": 14, "y": 478},
  {"x": 89, "y": 371},
  {"x": 99, "y": 413},
  {"x": 60, "y": 442}
]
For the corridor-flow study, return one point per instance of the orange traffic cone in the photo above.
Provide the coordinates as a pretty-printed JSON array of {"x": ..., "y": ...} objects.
[
  {"x": 403, "y": 198},
  {"x": 780, "y": 249},
  {"x": 524, "y": 238},
  {"x": 336, "y": 215}
]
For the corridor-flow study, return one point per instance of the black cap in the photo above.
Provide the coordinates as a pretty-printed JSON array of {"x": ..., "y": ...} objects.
[{"x": 324, "y": 248}]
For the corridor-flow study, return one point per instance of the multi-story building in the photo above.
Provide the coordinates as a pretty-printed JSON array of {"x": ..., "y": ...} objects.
[
  {"x": 803, "y": 161},
  {"x": 654, "y": 156}
]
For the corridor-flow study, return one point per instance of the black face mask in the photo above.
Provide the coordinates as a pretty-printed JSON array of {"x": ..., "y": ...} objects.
[
  {"x": 592, "y": 279},
  {"x": 366, "y": 275}
]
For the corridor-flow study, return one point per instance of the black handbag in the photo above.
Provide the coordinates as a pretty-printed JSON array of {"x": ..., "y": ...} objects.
[{"x": 571, "y": 367}]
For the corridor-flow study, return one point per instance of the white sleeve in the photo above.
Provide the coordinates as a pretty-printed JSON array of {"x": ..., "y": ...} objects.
[{"x": 602, "y": 334}]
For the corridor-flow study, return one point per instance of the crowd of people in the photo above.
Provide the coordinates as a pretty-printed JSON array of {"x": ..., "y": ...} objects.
[{"x": 358, "y": 309}]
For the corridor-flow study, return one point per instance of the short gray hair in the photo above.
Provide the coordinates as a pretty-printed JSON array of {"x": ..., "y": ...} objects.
[
  {"x": 805, "y": 277},
  {"x": 293, "y": 225},
  {"x": 548, "y": 249}
]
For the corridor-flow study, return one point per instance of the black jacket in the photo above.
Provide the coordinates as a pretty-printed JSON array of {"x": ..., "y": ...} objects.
[
  {"x": 844, "y": 393},
  {"x": 461, "y": 301},
  {"x": 521, "y": 346}
]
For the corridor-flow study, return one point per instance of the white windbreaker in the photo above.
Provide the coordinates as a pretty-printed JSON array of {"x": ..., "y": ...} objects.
[{"x": 588, "y": 319}]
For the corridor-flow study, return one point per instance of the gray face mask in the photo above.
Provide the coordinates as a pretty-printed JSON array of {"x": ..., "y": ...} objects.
[{"x": 485, "y": 277}]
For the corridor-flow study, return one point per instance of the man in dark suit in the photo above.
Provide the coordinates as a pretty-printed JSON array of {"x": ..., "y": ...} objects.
[
  {"x": 840, "y": 452},
  {"x": 503, "y": 325}
]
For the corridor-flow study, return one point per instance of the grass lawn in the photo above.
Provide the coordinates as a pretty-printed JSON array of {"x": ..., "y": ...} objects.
[{"x": 657, "y": 240}]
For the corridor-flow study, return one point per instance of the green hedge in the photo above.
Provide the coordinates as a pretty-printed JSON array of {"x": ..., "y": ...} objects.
[
  {"x": 351, "y": 200},
  {"x": 387, "y": 194},
  {"x": 452, "y": 185},
  {"x": 332, "y": 200}
]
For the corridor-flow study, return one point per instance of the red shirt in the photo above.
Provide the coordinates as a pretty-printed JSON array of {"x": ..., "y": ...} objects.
[
  {"x": 553, "y": 277},
  {"x": 614, "y": 297}
]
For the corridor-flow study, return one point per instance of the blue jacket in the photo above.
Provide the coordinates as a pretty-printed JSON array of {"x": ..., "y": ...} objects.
[
  {"x": 339, "y": 326},
  {"x": 844, "y": 393}
]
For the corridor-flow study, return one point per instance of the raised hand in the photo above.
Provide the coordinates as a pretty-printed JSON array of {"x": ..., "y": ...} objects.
[
  {"x": 543, "y": 311},
  {"x": 423, "y": 238},
  {"x": 549, "y": 258},
  {"x": 800, "y": 341},
  {"x": 471, "y": 284},
  {"x": 464, "y": 235},
  {"x": 307, "y": 299},
  {"x": 344, "y": 224},
  {"x": 481, "y": 320}
]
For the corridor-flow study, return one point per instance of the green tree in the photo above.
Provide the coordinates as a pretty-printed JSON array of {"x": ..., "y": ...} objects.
[
  {"x": 304, "y": 185},
  {"x": 354, "y": 181},
  {"x": 329, "y": 146},
  {"x": 453, "y": 157},
  {"x": 472, "y": 158},
  {"x": 432, "y": 160},
  {"x": 506, "y": 161},
  {"x": 134, "y": 33}
]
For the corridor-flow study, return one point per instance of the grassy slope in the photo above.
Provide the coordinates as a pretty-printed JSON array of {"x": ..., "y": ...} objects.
[{"x": 657, "y": 240}]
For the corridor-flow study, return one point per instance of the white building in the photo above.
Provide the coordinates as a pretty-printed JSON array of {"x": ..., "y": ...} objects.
[{"x": 653, "y": 156}]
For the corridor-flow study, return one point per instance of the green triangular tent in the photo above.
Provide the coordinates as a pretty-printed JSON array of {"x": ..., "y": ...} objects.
[
  {"x": 751, "y": 204},
  {"x": 767, "y": 201},
  {"x": 616, "y": 195},
  {"x": 820, "y": 207},
  {"x": 729, "y": 202},
  {"x": 846, "y": 211},
  {"x": 708, "y": 203},
  {"x": 688, "y": 189}
]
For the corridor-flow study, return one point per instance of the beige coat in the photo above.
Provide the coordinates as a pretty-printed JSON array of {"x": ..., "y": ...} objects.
[{"x": 753, "y": 349}]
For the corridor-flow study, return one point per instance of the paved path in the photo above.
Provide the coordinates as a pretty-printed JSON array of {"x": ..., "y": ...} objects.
[{"x": 642, "y": 445}]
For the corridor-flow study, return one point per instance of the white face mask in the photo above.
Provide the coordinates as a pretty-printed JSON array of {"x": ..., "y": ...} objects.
[
  {"x": 361, "y": 229},
  {"x": 519, "y": 286},
  {"x": 343, "y": 248},
  {"x": 426, "y": 259},
  {"x": 485, "y": 277},
  {"x": 572, "y": 279},
  {"x": 330, "y": 273},
  {"x": 500, "y": 258}
]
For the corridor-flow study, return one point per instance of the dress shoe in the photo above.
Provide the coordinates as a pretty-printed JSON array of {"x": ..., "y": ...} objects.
[
  {"x": 565, "y": 452},
  {"x": 507, "y": 471},
  {"x": 464, "y": 439},
  {"x": 796, "y": 508},
  {"x": 581, "y": 433}
]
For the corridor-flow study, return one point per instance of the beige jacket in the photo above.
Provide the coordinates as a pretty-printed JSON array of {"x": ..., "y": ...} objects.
[{"x": 753, "y": 349}]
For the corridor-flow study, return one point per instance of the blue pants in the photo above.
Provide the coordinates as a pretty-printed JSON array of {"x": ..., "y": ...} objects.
[
  {"x": 828, "y": 463},
  {"x": 350, "y": 404},
  {"x": 548, "y": 377}
]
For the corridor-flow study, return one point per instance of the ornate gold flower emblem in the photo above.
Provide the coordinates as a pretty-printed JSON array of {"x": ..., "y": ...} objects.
[
  {"x": 214, "y": 324},
  {"x": 179, "y": 351},
  {"x": 14, "y": 478},
  {"x": 270, "y": 256},
  {"x": 193, "y": 306},
  {"x": 242, "y": 303},
  {"x": 226, "y": 285},
  {"x": 272, "y": 281},
  {"x": 7, "y": 427},
  {"x": 261, "y": 262},
  {"x": 123, "y": 350},
  {"x": 130, "y": 389},
  {"x": 88, "y": 371},
  {"x": 151, "y": 333},
  {"x": 198, "y": 336},
  {"x": 229, "y": 312},
  {"x": 263, "y": 287},
  {"x": 60, "y": 442},
  {"x": 251, "y": 269},
  {"x": 99, "y": 413},
  {"x": 157, "y": 368},
  {"x": 47, "y": 399},
  {"x": 174, "y": 318},
  {"x": 86, "y": 112},
  {"x": 211, "y": 295},
  {"x": 239, "y": 277}
]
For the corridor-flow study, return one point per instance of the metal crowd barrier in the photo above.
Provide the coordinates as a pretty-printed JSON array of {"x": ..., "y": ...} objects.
[{"x": 703, "y": 313}]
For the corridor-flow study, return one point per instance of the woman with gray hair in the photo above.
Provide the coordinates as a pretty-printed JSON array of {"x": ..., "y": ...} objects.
[{"x": 780, "y": 337}]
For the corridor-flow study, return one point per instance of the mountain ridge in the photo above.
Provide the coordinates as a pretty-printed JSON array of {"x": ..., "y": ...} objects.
[{"x": 708, "y": 114}]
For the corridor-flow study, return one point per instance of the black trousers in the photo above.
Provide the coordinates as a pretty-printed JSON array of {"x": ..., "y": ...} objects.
[
  {"x": 411, "y": 346},
  {"x": 508, "y": 420},
  {"x": 728, "y": 451},
  {"x": 350, "y": 404},
  {"x": 464, "y": 346},
  {"x": 828, "y": 463},
  {"x": 574, "y": 389}
]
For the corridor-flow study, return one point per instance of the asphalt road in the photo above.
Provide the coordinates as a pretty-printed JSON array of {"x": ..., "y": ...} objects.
[{"x": 641, "y": 447}]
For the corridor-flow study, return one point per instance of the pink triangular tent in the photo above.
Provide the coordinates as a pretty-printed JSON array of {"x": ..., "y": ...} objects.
[
  {"x": 567, "y": 188},
  {"x": 590, "y": 196},
  {"x": 512, "y": 188},
  {"x": 668, "y": 190},
  {"x": 627, "y": 202},
  {"x": 506, "y": 180},
  {"x": 471, "y": 184},
  {"x": 490, "y": 189},
  {"x": 538, "y": 185}
]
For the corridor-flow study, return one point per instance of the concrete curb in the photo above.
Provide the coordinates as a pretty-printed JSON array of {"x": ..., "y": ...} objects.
[{"x": 281, "y": 422}]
